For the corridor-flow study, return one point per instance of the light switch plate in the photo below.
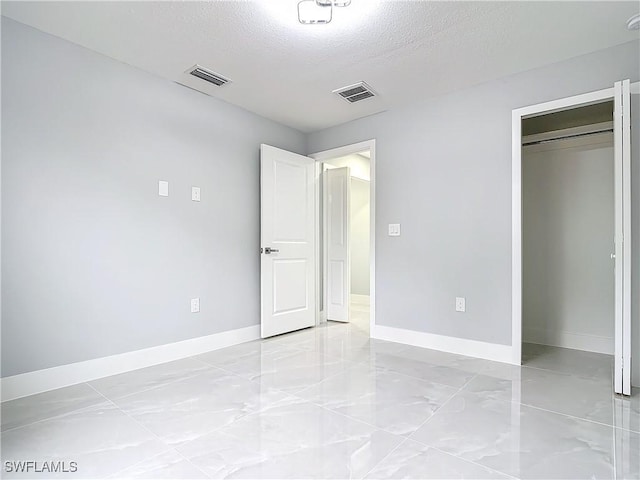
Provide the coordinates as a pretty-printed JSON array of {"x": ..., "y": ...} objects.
[
  {"x": 394, "y": 229},
  {"x": 195, "y": 305},
  {"x": 163, "y": 188},
  {"x": 461, "y": 304},
  {"x": 195, "y": 194}
]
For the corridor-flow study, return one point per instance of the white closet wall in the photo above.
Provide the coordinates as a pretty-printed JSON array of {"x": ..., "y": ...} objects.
[{"x": 568, "y": 216}]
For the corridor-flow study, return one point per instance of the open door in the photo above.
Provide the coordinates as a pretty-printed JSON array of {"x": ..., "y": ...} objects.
[
  {"x": 622, "y": 147},
  {"x": 338, "y": 194},
  {"x": 287, "y": 231}
]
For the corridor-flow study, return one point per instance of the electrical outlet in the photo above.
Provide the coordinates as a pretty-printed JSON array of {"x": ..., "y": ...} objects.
[
  {"x": 195, "y": 194},
  {"x": 195, "y": 305},
  {"x": 460, "y": 304}
]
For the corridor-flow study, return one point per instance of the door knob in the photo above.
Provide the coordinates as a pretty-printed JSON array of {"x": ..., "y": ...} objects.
[
  {"x": 613, "y": 256},
  {"x": 269, "y": 250}
]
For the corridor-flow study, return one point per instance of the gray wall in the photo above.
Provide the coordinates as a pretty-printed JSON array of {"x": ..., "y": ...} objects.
[
  {"x": 443, "y": 170},
  {"x": 359, "y": 246},
  {"x": 94, "y": 262},
  {"x": 568, "y": 226}
]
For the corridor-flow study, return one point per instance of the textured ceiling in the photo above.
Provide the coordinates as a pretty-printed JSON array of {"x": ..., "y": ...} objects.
[{"x": 406, "y": 50}]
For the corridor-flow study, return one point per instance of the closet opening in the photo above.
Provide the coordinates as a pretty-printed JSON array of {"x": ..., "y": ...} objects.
[{"x": 568, "y": 241}]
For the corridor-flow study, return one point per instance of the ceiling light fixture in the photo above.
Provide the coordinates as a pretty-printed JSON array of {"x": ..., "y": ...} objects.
[
  {"x": 312, "y": 12},
  {"x": 634, "y": 22},
  {"x": 335, "y": 3}
]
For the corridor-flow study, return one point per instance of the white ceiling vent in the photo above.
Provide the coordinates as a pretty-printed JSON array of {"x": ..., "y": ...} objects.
[
  {"x": 356, "y": 92},
  {"x": 208, "y": 76}
]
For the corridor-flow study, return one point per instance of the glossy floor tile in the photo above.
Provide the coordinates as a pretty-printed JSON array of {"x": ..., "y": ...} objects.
[
  {"x": 627, "y": 454},
  {"x": 422, "y": 369},
  {"x": 393, "y": 402},
  {"x": 184, "y": 410},
  {"x": 581, "y": 397},
  {"x": 574, "y": 362},
  {"x": 330, "y": 402},
  {"x": 101, "y": 440},
  {"x": 626, "y": 411},
  {"x": 518, "y": 440},
  {"x": 295, "y": 440},
  {"x": 169, "y": 464},
  {"x": 415, "y": 460},
  {"x": 118, "y": 386},
  {"x": 23, "y": 411}
]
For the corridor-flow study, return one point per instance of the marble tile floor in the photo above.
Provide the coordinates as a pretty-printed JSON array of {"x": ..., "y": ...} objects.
[{"x": 329, "y": 402}]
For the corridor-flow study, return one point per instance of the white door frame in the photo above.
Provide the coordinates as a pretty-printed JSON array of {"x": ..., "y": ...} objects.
[
  {"x": 325, "y": 155},
  {"x": 516, "y": 207}
]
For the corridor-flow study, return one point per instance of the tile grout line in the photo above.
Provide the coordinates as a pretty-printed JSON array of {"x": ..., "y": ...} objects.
[
  {"x": 560, "y": 372},
  {"x": 169, "y": 447},
  {"x": 493, "y": 470},
  {"x": 53, "y": 417},
  {"x": 510, "y": 402},
  {"x": 404, "y": 440},
  {"x": 197, "y": 373},
  {"x": 436, "y": 412},
  {"x": 614, "y": 460},
  {"x": 405, "y": 436},
  {"x": 88, "y": 384},
  {"x": 486, "y": 396},
  {"x": 409, "y": 437}
]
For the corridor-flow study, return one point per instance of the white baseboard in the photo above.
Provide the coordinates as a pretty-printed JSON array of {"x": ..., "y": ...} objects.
[
  {"x": 461, "y": 346},
  {"x": 576, "y": 341},
  {"x": 360, "y": 299},
  {"x": 56, "y": 377}
]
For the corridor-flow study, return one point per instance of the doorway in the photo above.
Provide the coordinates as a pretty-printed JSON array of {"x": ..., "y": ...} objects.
[
  {"x": 352, "y": 173},
  {"x": 353, "y": 217},
  {"x": 568, "y": 230},
  {"x": 620, "y": 255}
]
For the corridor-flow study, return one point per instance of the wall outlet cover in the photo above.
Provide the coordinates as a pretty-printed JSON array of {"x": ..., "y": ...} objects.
[
  {"x": 195, "y": 305},
  {"x": 163, "y": 188},
  {"x": 461, "y": 304},
  {"x": 394, "y": 229},
  {"x": 195, "y": 194}
]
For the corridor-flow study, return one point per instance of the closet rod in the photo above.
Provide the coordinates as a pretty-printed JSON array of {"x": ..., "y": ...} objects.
[{"x": 564, "y": 137}]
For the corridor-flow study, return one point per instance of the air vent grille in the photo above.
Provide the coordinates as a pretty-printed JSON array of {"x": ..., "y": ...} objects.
[
  {"x": 356, "y": 92},
  {"x": 208, "y": 76},
  {"x": 360, "y": 96}
]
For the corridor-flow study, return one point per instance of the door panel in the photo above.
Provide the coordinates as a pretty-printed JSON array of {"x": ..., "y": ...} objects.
[
  {"x": 290, "y": 209},
  {"x": 338, "y": 181},
  {"x": 289, "y": 293},
  {"x": 634, "y": 341},
  {"x": 626, "y": 232},
  {"x": 622, "y": 169},
  {"x": 287, "y": 231}
]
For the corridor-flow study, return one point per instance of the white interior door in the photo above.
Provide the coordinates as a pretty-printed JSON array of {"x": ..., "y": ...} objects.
[
  {"x": 287, "y": 231},
  {"x": 622, "y": 147},
  {"x": 338, "y": 194}
]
